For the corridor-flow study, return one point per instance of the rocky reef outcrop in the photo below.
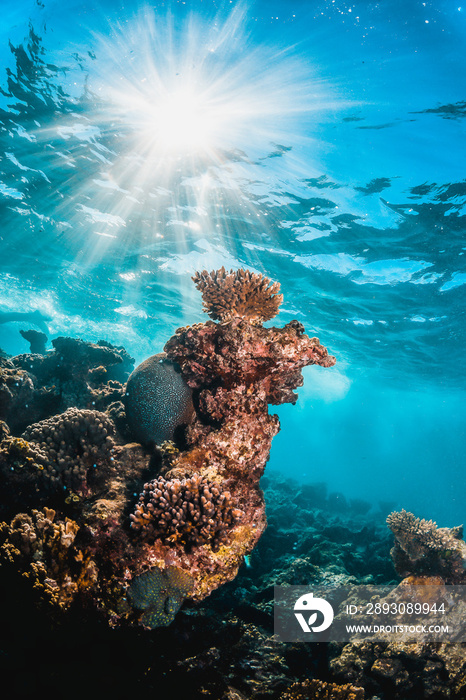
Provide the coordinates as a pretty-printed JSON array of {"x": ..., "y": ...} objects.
[{"x": 171, "y": 519}]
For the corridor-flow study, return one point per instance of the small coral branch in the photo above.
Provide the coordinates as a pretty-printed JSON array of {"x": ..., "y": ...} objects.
[{"x": 238, "y": 294}]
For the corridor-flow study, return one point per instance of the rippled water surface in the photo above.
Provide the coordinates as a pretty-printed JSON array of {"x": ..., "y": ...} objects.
[{"x": 321, "y": 143}]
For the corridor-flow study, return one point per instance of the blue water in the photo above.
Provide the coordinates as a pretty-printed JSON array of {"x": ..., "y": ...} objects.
[{"x": 321, "y": 143}]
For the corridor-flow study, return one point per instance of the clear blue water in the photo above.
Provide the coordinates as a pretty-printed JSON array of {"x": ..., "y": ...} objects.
[{"x": 319, "y": 142}]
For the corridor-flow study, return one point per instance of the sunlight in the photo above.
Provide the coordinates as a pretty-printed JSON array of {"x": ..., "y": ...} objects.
[
  {"x": 183, "y": 121},
  {"x": 193, "y": 128},
  {"x": 193, "y": 88}
]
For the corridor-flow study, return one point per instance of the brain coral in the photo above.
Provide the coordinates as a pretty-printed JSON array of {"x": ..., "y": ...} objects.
[
  {"x": 242, "y": 294},
  {"x": 157, "y": 400}
]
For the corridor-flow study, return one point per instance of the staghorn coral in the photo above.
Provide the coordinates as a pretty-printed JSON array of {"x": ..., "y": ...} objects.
[
  {"x": 192, "y": 511},
  {"x": 421, "y": 547},
  {"x": 238, "y": 294},
  {"x": 157, "y": 400},
  {"x": 160, "y": 594}
]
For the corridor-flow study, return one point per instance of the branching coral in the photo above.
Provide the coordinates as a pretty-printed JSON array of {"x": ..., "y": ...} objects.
[
  {"x": 238, "y": 294},
  {"x": 42, "y": 547},
  {"x": 192, "y": 511},
  {"x": 421, "y": 547}
]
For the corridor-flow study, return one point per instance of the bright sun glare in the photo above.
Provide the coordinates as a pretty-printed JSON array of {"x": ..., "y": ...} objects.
[
  {"x": 187, "y": 116},
  {"x": 183, "y": 121},
  {"x": 178, "y": 121},
  {"x": 198, "y": 88}
]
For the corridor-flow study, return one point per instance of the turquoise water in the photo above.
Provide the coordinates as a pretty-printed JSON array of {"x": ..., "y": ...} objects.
[{"x": 320, "y": 143}]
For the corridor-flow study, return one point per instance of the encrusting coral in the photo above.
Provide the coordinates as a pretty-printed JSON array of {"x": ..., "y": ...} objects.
[
  {"x": 204, "y": 512},
  {"x": 423, "y": 548}
]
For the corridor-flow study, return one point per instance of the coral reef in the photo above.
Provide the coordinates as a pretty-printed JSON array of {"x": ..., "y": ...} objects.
[
  {"x": 160, "y": 594},
  {"x": 421, "y": 547},
  {"x": 222, "y": 648},
  {"x": 75, "y": 374},
  {"x": 192, "y": 511},
  {"x": 157, "y": 401},
  {"x": 204, "y": 511},
  {"x": 238, "y": 294},
  {"x": 323, "y": 691}
]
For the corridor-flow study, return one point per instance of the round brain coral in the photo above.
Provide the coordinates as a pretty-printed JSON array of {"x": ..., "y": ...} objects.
[
  {"x": 238, "y": 294},
  {"x": 157, "y": 400}
]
